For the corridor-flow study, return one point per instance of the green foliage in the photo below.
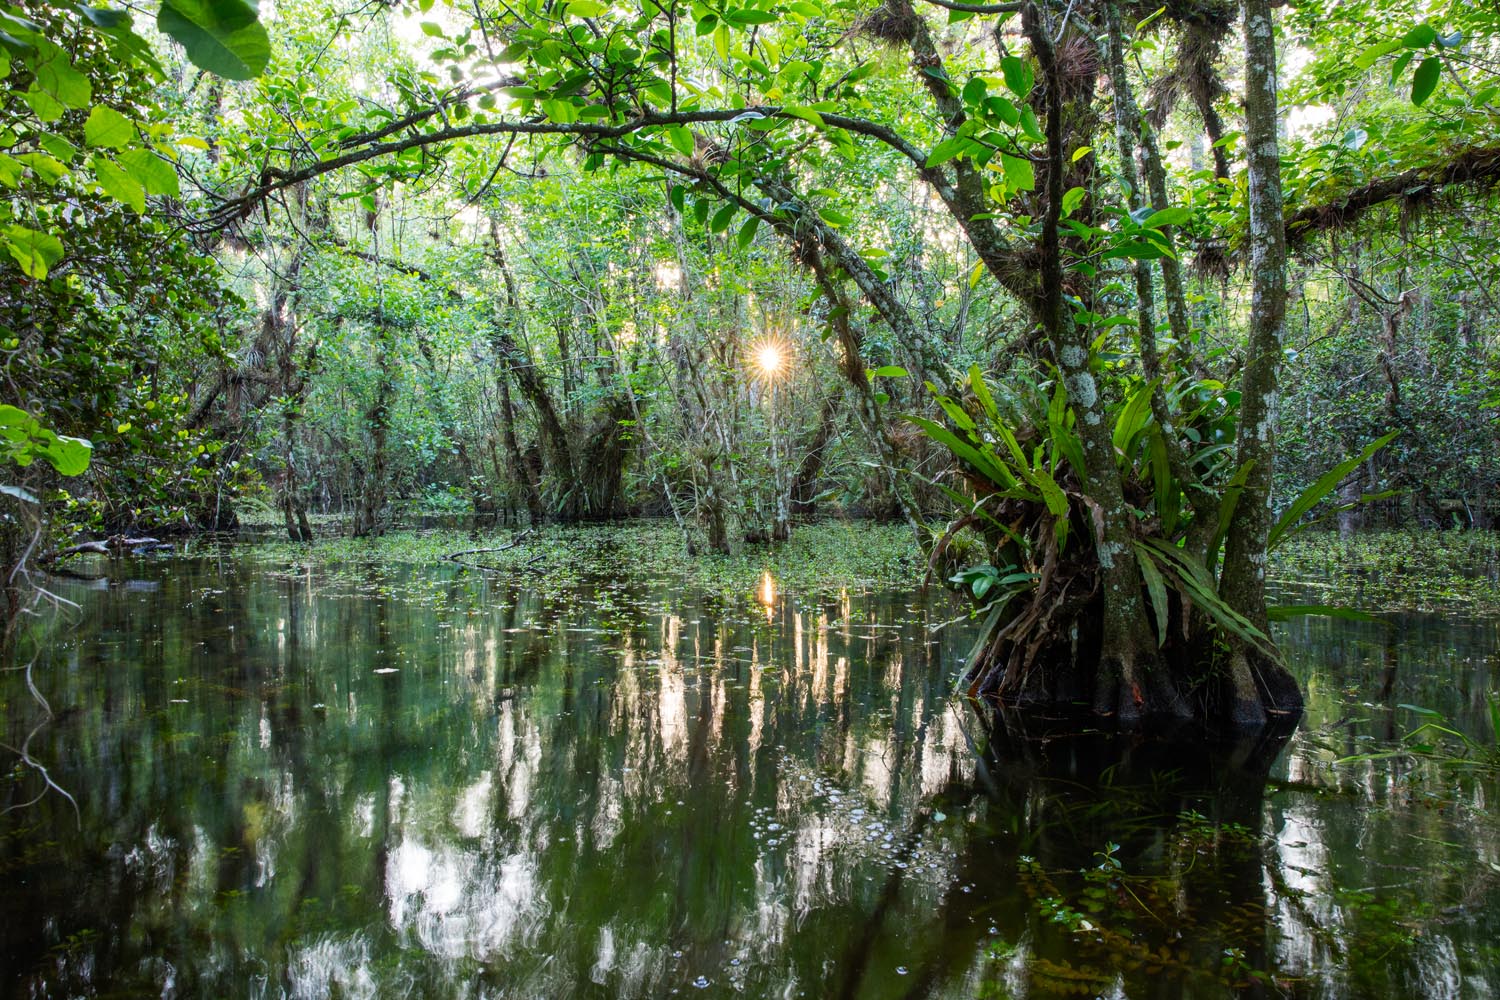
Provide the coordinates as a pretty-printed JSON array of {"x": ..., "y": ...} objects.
[
  {"x": 1030, "y": 505},
  {"x": 25, "y": 441},
  {"x": 221, "y": 36}
]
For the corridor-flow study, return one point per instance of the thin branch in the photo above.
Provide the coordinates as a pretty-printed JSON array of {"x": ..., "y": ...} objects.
[{"x": 978, "y": 8}]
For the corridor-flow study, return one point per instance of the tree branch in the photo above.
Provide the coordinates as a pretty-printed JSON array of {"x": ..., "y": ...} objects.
[{"x": 1476, "y": 166}]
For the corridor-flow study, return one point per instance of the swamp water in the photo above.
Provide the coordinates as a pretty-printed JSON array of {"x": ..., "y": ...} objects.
[{"x": 435, "y": 783}]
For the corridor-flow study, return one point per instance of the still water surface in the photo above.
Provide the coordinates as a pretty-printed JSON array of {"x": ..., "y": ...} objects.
[{"x": 437, "y": 784}]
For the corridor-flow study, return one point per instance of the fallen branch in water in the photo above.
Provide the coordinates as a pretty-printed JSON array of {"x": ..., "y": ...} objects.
[
  {"x": 457, "y": 557},
  {"x": 114, "y": 545}
]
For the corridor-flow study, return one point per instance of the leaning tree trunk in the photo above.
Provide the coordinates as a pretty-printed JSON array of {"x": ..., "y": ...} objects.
[{"x": 1259, "y": 683}]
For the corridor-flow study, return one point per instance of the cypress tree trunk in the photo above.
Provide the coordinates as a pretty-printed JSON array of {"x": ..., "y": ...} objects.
[
  {"x": 1257, "y": 683},
  {"x": 1130, "y": 681}
]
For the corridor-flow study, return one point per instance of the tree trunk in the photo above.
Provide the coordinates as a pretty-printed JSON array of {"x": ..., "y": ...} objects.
[
  {"x": 368, "y": 515},
  {"x": 815, "y": 454},
  {"x": 1130, "y": 681},
  {"x": 520, "y": 468},
  {"x": 1258, "y": 684}
]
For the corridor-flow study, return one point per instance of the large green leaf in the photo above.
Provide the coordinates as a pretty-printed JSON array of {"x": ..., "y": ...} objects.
[
  {"x": 1197, "y": 585},
  {"x": 1309, "y": 498},
  {"x": 107, "y": 127},
  {"x": 118, "y": 184},
  {"x": 56, "y": 77},
  {"x": 224, "y": 37},
  {"x": 152, "y": 172},
  {"x": 1425, "y": 80},
  {"x": 986, "y": 466},
  {"x": 1133, "y": 417},
  {"x": 1156, "y": 587},
  {"x": 35, "y": 251},
  {"x": 68, "y": 455}
]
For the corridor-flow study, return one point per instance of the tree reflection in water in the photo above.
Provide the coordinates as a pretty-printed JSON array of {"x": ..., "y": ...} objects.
[{"x": 451, "y": 786}]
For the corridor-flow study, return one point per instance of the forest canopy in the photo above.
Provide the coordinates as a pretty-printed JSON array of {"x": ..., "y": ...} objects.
[{"x": 1105, "y": 299}]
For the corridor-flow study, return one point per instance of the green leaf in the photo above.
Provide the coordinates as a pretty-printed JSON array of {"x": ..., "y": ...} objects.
[
  {"x": 1064, "y": 437},
  {"x": 36, "y": 252},
  {"x": 224, "y": 37},
  {"x": 1133, "y": 417},
  {"x": 889, "y": 371},
  {"x": 1167, "y": 217},
  {"x": 1018, "y": 75},
  {"x": 981, "y": 390},
  {"x": 1425, "y": 80},
  {"x": 681, "y": 138},
  {"x": 1019, "y": 173},
  {"x": 806, "y": 114},
  {"x": 44, "y": 166},
  {"x": 46, "y": 107},
  {"x": 108, "y": 128},
  {"x": 1227, "y": 503},
  {"x": 434, "y": 30},
  {"x": 747, "y": 231},
  {"x": 58, "y": 147},
  {"x": 1197, "y": 585},
  {"x": 68, "y": 455},
  {"x": 1324, "y": 485},
  {"x": 721, "y": 218},
  {"x": 1368, "y": 57},
  {"x": 57, "y": 78},
  {"x": 834, "y": 217},
  {"x": 118, "y": 184},
  {"x": 1156, "y": 589},
  {"x": 947, "y": 150},
  {"x": 152, "y": 172},
  {"x": 104, "y": 18},
  {"x": 1071, "y": 199},
  {"x": 1420, "y": 37},
  {"x": 981, "y": 463},
  {"x": 746, "y": 17},
  {"x": 585, "y": 8}
]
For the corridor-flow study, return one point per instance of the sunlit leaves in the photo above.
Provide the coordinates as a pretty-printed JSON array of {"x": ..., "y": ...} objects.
[{"x": 119, "y": 185}]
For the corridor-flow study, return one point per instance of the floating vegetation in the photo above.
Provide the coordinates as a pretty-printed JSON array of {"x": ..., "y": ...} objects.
[
  {"x": 1395, "y": 570},
  {"x": 820, "y": 559}
]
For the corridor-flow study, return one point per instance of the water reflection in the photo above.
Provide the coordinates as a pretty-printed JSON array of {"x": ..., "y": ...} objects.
[{"x": 454, "y": 786}]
